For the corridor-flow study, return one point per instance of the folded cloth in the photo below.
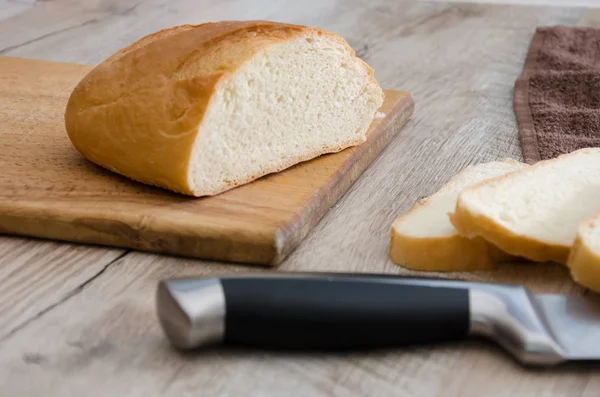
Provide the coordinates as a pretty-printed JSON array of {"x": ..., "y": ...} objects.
[{"x": 557, "y": 97}]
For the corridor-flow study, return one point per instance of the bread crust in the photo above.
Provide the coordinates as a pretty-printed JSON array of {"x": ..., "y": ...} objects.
[
  {"x": 443, "y": 254},
  {"x": 584, "y": 261},
  {"x": 138, "y": 112},
  {"x": 473, "y": 225}
]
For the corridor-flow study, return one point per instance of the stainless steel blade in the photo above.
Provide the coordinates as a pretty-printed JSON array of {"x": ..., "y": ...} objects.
[{"x": 574, "y": 323}]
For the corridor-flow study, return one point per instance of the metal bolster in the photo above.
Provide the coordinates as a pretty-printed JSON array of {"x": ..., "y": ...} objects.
[{"x": 508, "y": 316}]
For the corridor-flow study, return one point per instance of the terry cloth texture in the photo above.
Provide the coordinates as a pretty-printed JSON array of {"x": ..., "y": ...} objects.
[{"x": 557, "y": 97}]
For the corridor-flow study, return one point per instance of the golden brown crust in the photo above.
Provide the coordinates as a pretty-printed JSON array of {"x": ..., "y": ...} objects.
[
  {"x": 584, "y": 261},
  {"x": 138, "y": 112},
  {"x": 444, "y": 253},
  {"x": 474, "y": 225}
]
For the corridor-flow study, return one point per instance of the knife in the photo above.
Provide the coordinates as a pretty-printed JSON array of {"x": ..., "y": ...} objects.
[{"x": 333, "y": 311}]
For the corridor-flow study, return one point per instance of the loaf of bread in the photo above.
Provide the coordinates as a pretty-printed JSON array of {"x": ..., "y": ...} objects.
[
  {"x": 424, "y": 238},
  {"x": 534, "y": 213},
  {"x": 201, "y": 109}
]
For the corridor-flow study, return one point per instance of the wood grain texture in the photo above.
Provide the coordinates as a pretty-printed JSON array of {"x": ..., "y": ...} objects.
[
  {"x": 50, "y": 18},
  {"x": 560, "y": 3},
  {"x": 10, "y": 8},
  {"x": 47, "y": 189},
  {"x": 460, "y": 63},
  {"x": 36, "y": 276}
]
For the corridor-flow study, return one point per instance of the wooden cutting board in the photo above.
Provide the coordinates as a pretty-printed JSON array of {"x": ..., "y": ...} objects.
[{"x": 48, "y": 190}]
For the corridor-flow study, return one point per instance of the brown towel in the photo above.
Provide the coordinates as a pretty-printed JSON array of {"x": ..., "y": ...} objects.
[{"x": 557, "y": 97}]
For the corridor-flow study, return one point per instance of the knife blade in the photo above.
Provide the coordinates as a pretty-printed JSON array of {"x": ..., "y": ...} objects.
[{"x": 333, "y": 311}]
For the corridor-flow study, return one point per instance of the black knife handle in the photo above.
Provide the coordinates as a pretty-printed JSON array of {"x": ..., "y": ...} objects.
[
  {"x": 340, "y": 313},
  {"x": 348, "y": 311}
]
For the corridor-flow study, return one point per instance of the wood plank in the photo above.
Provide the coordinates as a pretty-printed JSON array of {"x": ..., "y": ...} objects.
[
  {"x": 460, "y": 62},
  {"x": 68, "y": 31},
  {"x": 106, "y": 335},
  {"x": 10, "y": 8},
  {"x": 591, "y": 19},
  {"x": 49, "y": 18},
  {"x": 555, "y": 3},
  {"x": 36, "y": 276},
  {"x": 47, "y": 189}
]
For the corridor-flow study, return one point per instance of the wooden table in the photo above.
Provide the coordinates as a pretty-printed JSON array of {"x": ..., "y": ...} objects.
[{"x": 79, "y": 320}]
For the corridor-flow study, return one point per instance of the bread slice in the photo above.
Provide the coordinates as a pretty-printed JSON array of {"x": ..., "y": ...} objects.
[
  {"x": 199, "y": 109},
  {"x": 534, "y": 213},
  {"x": 424, "y": 238},
  {"x": 584, "y": 259}
]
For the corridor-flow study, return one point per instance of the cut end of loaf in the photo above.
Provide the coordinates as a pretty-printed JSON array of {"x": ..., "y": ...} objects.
[{"x": 292, "y": 102}]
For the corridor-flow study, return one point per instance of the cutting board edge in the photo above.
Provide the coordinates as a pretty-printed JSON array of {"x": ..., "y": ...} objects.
[
  {"x": 248, "y": 251},
  {"x": 289, "y": 236}
]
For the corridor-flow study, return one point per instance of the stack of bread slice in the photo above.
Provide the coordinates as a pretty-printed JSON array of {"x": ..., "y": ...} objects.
[{"x": 547, "y": 212}]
